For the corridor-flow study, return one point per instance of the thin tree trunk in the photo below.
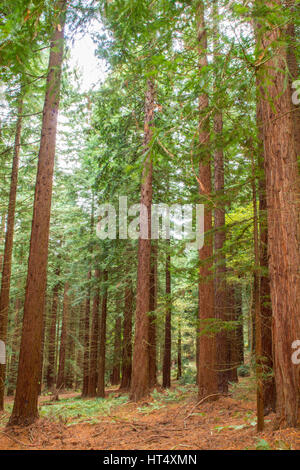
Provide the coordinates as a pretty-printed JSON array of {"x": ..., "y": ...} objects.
[
  {"x": 179, "y": 361},
  {"x": 60, "y": 384},
  {"x": 102, "y": 348},
  {"x": 86, "y": 352},
  {"x": 207, "y": 375},
  {"x": 152, "y": 319},
  {"x": 282, "y": 194},
  {"x": 115, "y": 376},
  {"x": 8, "y": 247},
  {"x": 168, "y": 342},
  {"x": 268, "y": 380},
  {"x": 140, "y": 368},
  {"x": 51, "y": 370},
  {"x": 127, "y": 337},
  {"x": 15, "y": 348},
  {"x": 92, "y": 387},
  {"x": 257, "y": 311},
  {"x": 219, "y": 225}
]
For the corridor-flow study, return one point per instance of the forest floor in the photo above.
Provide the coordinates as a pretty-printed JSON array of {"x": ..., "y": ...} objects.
[{"x": 168, "y": 420}]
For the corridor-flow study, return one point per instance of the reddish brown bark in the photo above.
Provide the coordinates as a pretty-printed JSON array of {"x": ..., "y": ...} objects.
[
  {"x": 115, "y": 375},
  {"x": 127, "y": 338},
  {"x": 140, "y": 369},
  {"x": 15, "y": 348},
  {"x": 8, "y": 246},
  {"x": 51, "y": 369},
  {"x": 268, "y": 380},
  {"x": 60, "y": 384},
  {"x": 86, "y": 352},
  {"x": 152, "y": 318},
  {"x": 179, "y": 361},
  {"x": 282, "y": 194},
  {"x": 92, "y": 387},
  {"x": 207, "y": 375},
  {"x": 25, "y": 406},
  {"x": 102, "y": 347},
  {"x": 168, "y": 341}
]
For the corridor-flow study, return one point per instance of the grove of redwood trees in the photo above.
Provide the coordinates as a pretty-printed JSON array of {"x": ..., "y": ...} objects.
[{"x": 195, "y": 103}]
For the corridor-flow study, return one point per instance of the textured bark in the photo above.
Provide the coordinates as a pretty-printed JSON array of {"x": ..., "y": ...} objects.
[
  {"x": 179, "y": 361},
  {"x": 15, "y": 348},
  {"x": 269, "y": 389},
  {"x": 152, "y": 318},
  {"x": 70, "y": 351},
  {"x": 25, "y": 409},
  {"x": 282, "y": 193},
  {"x": 102, "y": 347},
  {"x": 127, "y": 337},
  {"x": 60, "y": 384},
  {"x": 232, "y": 312},
  {"x": 140, "y": 368},
  {"x": 8, "y": 246},
  {"x": 86, "y": 352},
  {"x": 293, "y": 66},
  {"x": 115, "y": 376},
  {"x": 257, "y": 308},
  {"x": 92, "y": 387},
  {"x": 207, "y": 375},
  {"x": 51, "y": 369},
  {"x": 168, "y": 341}
]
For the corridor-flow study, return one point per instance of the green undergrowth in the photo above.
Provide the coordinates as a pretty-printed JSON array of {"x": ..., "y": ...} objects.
[{"x": 162, "y": 399}]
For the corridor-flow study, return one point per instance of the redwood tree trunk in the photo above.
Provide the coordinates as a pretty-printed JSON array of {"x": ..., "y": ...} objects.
[
  {"x": 282, "y": 193},
  {"x": 115, "y": 376},
  {"x": 60, "y": 384},
  {"x": 140, "y": 368},
  {"x": 102, "y": 348},
  {"x": 127, "y": 338},
  {"x": 152, "y": 318},
  {"x": 179, "y": 361},
  {"x": 92, "y": 387},
  {"x": 167, "y": 349},
  {"x": 25, "y": 409},
  {"x": 8, "y": 247},
  {"x": 86, "y": 352},
  {"x": 207, "y": 375},
  {"x": 51, "y": 369}
]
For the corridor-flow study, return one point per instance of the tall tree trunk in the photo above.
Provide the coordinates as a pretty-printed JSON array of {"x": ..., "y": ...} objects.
[
  {"x": 102, "y": 348},
  {"x": 8, "y": 247},
  {"x": 15, "y": 348},
  {"x": 25, "y": 409},
  {"x": 140, "y": 368},
  {"x": 168, "y": 342},
  {"x": 257, "y": 311},
  {"x": 115, "y": 376},
  {"x": 207, "y": 375},
  {"x": 127, "y": 338},
  {"x": 293, "y": 66},
  {"x": 86, "y": 352},
  {"x": 179, "y": 361},
  {"x": 60, "y": 384},
  {"x": 219, "y": 225},
  {"x": 268, "y": 380},
  {"x": 282, "y": 194},
  {"x": 152, "y": 318},
  {"x": 92, "y": 387},
  {"x": 51, "y": 370}
]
